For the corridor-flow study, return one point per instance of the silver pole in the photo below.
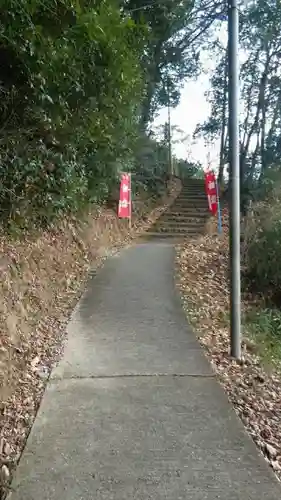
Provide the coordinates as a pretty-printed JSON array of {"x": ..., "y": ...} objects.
[
  {"x": 234, "y": 180},
  {"x": 169, "y": 131}
]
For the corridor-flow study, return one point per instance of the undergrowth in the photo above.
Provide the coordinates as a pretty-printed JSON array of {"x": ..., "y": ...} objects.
[
  {"x": 263, "y": 326},
  {"x": 261, "y": 277}
]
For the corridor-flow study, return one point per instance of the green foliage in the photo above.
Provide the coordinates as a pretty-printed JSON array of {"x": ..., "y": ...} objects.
[
  {"x": 78, "y": 82},
  {"x": 62, "y": 55},
  {"x": 263, "y": 325},
  {"x": 71, "y": 86},
  {"x": 262, "y": 237},
  {"x": 34, "y": 194},
  {"x": 151, "y": 166},
  {"x": 263, "y": 256},
  {"x": 188, "y": 169},
  {"x": 166, "y": 61},
  {"x": 260, "y": 123}
]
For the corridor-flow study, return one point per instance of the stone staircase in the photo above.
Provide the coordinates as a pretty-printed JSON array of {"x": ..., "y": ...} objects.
[{"x": 186, "y": 216}]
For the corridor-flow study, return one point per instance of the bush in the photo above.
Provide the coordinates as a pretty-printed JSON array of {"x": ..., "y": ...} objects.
[
  {"x": 188, "y": 169},
  {"x": 38, "y": 187},
  {"x": 71, "y": 84},
  {"x": 264, "y": 326},
  {"x": 262, "y": 240}
]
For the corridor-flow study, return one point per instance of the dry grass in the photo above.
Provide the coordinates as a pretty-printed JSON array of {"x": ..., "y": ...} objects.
[{"x": 41, "y": 280}]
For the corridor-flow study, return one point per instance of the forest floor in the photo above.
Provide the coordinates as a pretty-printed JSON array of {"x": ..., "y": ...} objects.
[
  {"x": 252, "y": 385},
  {"x": 42, "y": 278}
]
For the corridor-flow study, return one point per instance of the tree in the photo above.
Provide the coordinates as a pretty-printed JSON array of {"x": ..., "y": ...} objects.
[
  {"x": 260, "y": 92},
  {"x": 79, "y": 84},
  {"x": 176, "y": 30},
  {"x": 71, "y": 85}
]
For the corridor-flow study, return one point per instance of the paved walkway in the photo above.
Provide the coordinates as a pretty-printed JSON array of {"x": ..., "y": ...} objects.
[{"x": 133, "y": 411}]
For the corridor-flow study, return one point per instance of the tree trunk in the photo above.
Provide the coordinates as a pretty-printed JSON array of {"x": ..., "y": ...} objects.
[
  {"x": 254, "y": 161},
  {"x": 146, "y": 107},
  {"x": 272, "y": 130},
  {"x": 255, "y": 125}
]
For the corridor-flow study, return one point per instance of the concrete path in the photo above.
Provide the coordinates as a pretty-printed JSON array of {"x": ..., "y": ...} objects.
[{"x": 133, "y": 411}]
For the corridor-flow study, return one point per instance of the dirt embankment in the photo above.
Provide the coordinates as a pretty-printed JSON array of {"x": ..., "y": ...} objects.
[{"x": 42, "y": 278}]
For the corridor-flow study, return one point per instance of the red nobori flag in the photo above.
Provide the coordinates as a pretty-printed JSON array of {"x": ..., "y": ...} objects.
[
  {"x": 124, "y": 208},
  {"x": 211, "y": 191}
]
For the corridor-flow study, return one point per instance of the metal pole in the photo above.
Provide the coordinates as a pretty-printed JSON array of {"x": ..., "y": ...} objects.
[
  {"x": 131, "y": 204},
  {"x": 234, "y": 179},
  {"x": 169, "y": 131}
]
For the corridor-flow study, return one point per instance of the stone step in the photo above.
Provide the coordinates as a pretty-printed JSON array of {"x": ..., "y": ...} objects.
[
  {"x": 193, "y": 199},
  {"x": 172, "y": 236},
  {"x": 194, "y": 182},
  {"x": 192, "y": 207},
  {"x": 192, "y": 189},
  {"x": 178, "y": 223},
  {"x": 188, "y": 212},
  {"x": 186, "y": 217},
  {"x": 181, "y": 220},
  {"x": 198, "y": 188},
  {"x": 175, "y": 229},
  {"x": 178, "y": 229},
  {"x": 164, "y": 236},
  {"x": 191, "y": 194},
  {"x": 193, "y": 223},
  {"x": 190, "y": 204},
  {"x": 183, "y": 217}
]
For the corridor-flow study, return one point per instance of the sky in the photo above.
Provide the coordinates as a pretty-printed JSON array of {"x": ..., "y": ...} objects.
[{"x": 193, "y": 109}]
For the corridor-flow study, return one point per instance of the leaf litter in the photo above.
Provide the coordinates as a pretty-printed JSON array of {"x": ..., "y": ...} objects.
[{"x": 254, "y": 391}]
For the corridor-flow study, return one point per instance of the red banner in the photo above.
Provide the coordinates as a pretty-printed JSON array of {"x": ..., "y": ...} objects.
[
  {"x": 124, "y": 207},
  {"x": 211, "y": 191}
]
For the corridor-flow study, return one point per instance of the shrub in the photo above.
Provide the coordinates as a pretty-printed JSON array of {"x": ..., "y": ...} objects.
[
  {"x": 264, "y": 326},
  {"x": 38, "y": 187},
  {"x": 71, "y": 83},
  {"x": 262, "y": 239}
]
